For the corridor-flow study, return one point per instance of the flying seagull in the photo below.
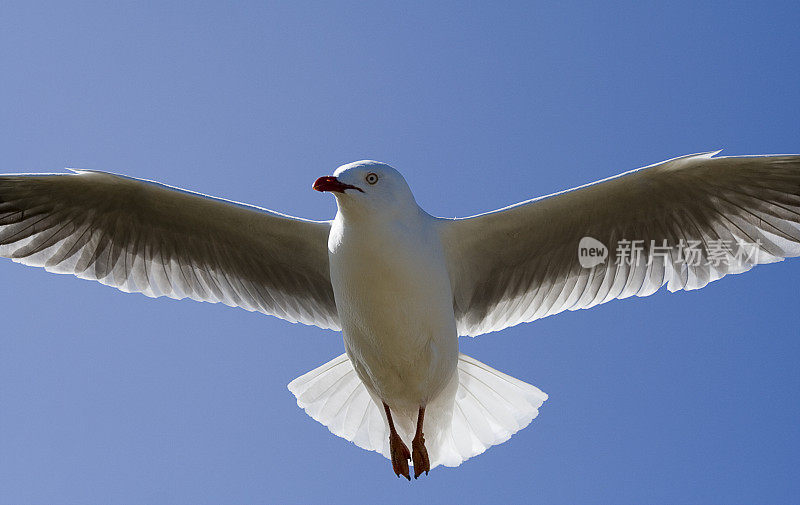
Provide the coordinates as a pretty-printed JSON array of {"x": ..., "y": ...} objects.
[{"x": 402, "y": 285}]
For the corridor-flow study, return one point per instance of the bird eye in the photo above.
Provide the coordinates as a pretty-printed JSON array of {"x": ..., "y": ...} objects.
[{"x": 372, "y": 178}]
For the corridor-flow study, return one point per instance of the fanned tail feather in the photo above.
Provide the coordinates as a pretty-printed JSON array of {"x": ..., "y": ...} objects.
[
  {"x": 333, "y": 395},
  {"x": 489, "y": 406}
]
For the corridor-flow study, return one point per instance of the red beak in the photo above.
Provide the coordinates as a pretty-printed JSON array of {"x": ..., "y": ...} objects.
[{"x": 330, "y": 183}]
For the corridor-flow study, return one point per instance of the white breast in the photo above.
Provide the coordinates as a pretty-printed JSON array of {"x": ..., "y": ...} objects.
[{"x": 395, "y": 306}]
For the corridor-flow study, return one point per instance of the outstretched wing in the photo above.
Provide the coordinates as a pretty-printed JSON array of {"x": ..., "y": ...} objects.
[
  {"x": 684, "y": 222},
  {"x": 141, "y": 236}
]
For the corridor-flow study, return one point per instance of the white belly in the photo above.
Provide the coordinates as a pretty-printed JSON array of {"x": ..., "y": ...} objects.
[{"x": 395, "y": 306}]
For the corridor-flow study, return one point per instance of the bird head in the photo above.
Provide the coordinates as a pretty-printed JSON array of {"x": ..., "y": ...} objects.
[{"x": 368, "y": 187}]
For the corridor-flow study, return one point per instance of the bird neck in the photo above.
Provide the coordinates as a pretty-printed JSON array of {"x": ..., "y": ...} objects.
[{"x": 349, "y": 212}]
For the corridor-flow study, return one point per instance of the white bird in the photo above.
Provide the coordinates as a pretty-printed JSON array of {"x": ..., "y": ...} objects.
[{"x": 403, "y": 285}]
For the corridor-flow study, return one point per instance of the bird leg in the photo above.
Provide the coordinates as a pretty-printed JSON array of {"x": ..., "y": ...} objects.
[
  {"x": 420, "y": 454},
  {"x": 397, "y": 448}
]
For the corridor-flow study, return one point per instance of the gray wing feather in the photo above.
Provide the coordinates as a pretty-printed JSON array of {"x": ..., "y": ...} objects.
[
  {"x": 697, "y": 218},
  {"x": 145, "y": 237}
]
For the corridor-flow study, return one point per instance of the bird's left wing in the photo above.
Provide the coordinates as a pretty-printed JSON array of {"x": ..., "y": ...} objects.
[
  {"x": 146, "y": 237},
  {"x": 684, "y": 222}
]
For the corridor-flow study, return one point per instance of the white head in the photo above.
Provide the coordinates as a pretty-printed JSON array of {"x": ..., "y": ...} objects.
[{"x": 369, "y": 187}]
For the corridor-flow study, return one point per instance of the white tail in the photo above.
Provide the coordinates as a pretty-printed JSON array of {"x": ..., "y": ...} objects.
[
  {"x": 334, "y": 395},
  {"x": 488, "y": 408}
]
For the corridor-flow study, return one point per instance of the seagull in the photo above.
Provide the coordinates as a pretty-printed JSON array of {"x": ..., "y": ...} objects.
[{"x": 402, "y": 285}]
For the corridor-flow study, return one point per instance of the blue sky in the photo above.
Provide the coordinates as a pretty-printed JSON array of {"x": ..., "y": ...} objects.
[{"x": 113, "y": 398}]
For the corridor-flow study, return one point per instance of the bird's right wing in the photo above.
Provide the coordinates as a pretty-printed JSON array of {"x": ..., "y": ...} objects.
[
  {"x": 684, "y": 223},
  {"x": 146, "y": 237}
]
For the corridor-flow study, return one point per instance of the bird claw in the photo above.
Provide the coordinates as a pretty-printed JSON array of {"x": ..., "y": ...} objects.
[
  {"x": 400, "y": 456},
  {"x": 420, "y": 456}
]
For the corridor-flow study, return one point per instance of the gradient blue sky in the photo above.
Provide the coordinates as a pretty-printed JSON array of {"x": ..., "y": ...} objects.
[{"x": 111, "y": 398}]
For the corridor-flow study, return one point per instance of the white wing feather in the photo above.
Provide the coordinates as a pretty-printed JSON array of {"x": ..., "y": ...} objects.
[
  {"x": 146, "y": 237},
  {"x": 520, "y": 263}
]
